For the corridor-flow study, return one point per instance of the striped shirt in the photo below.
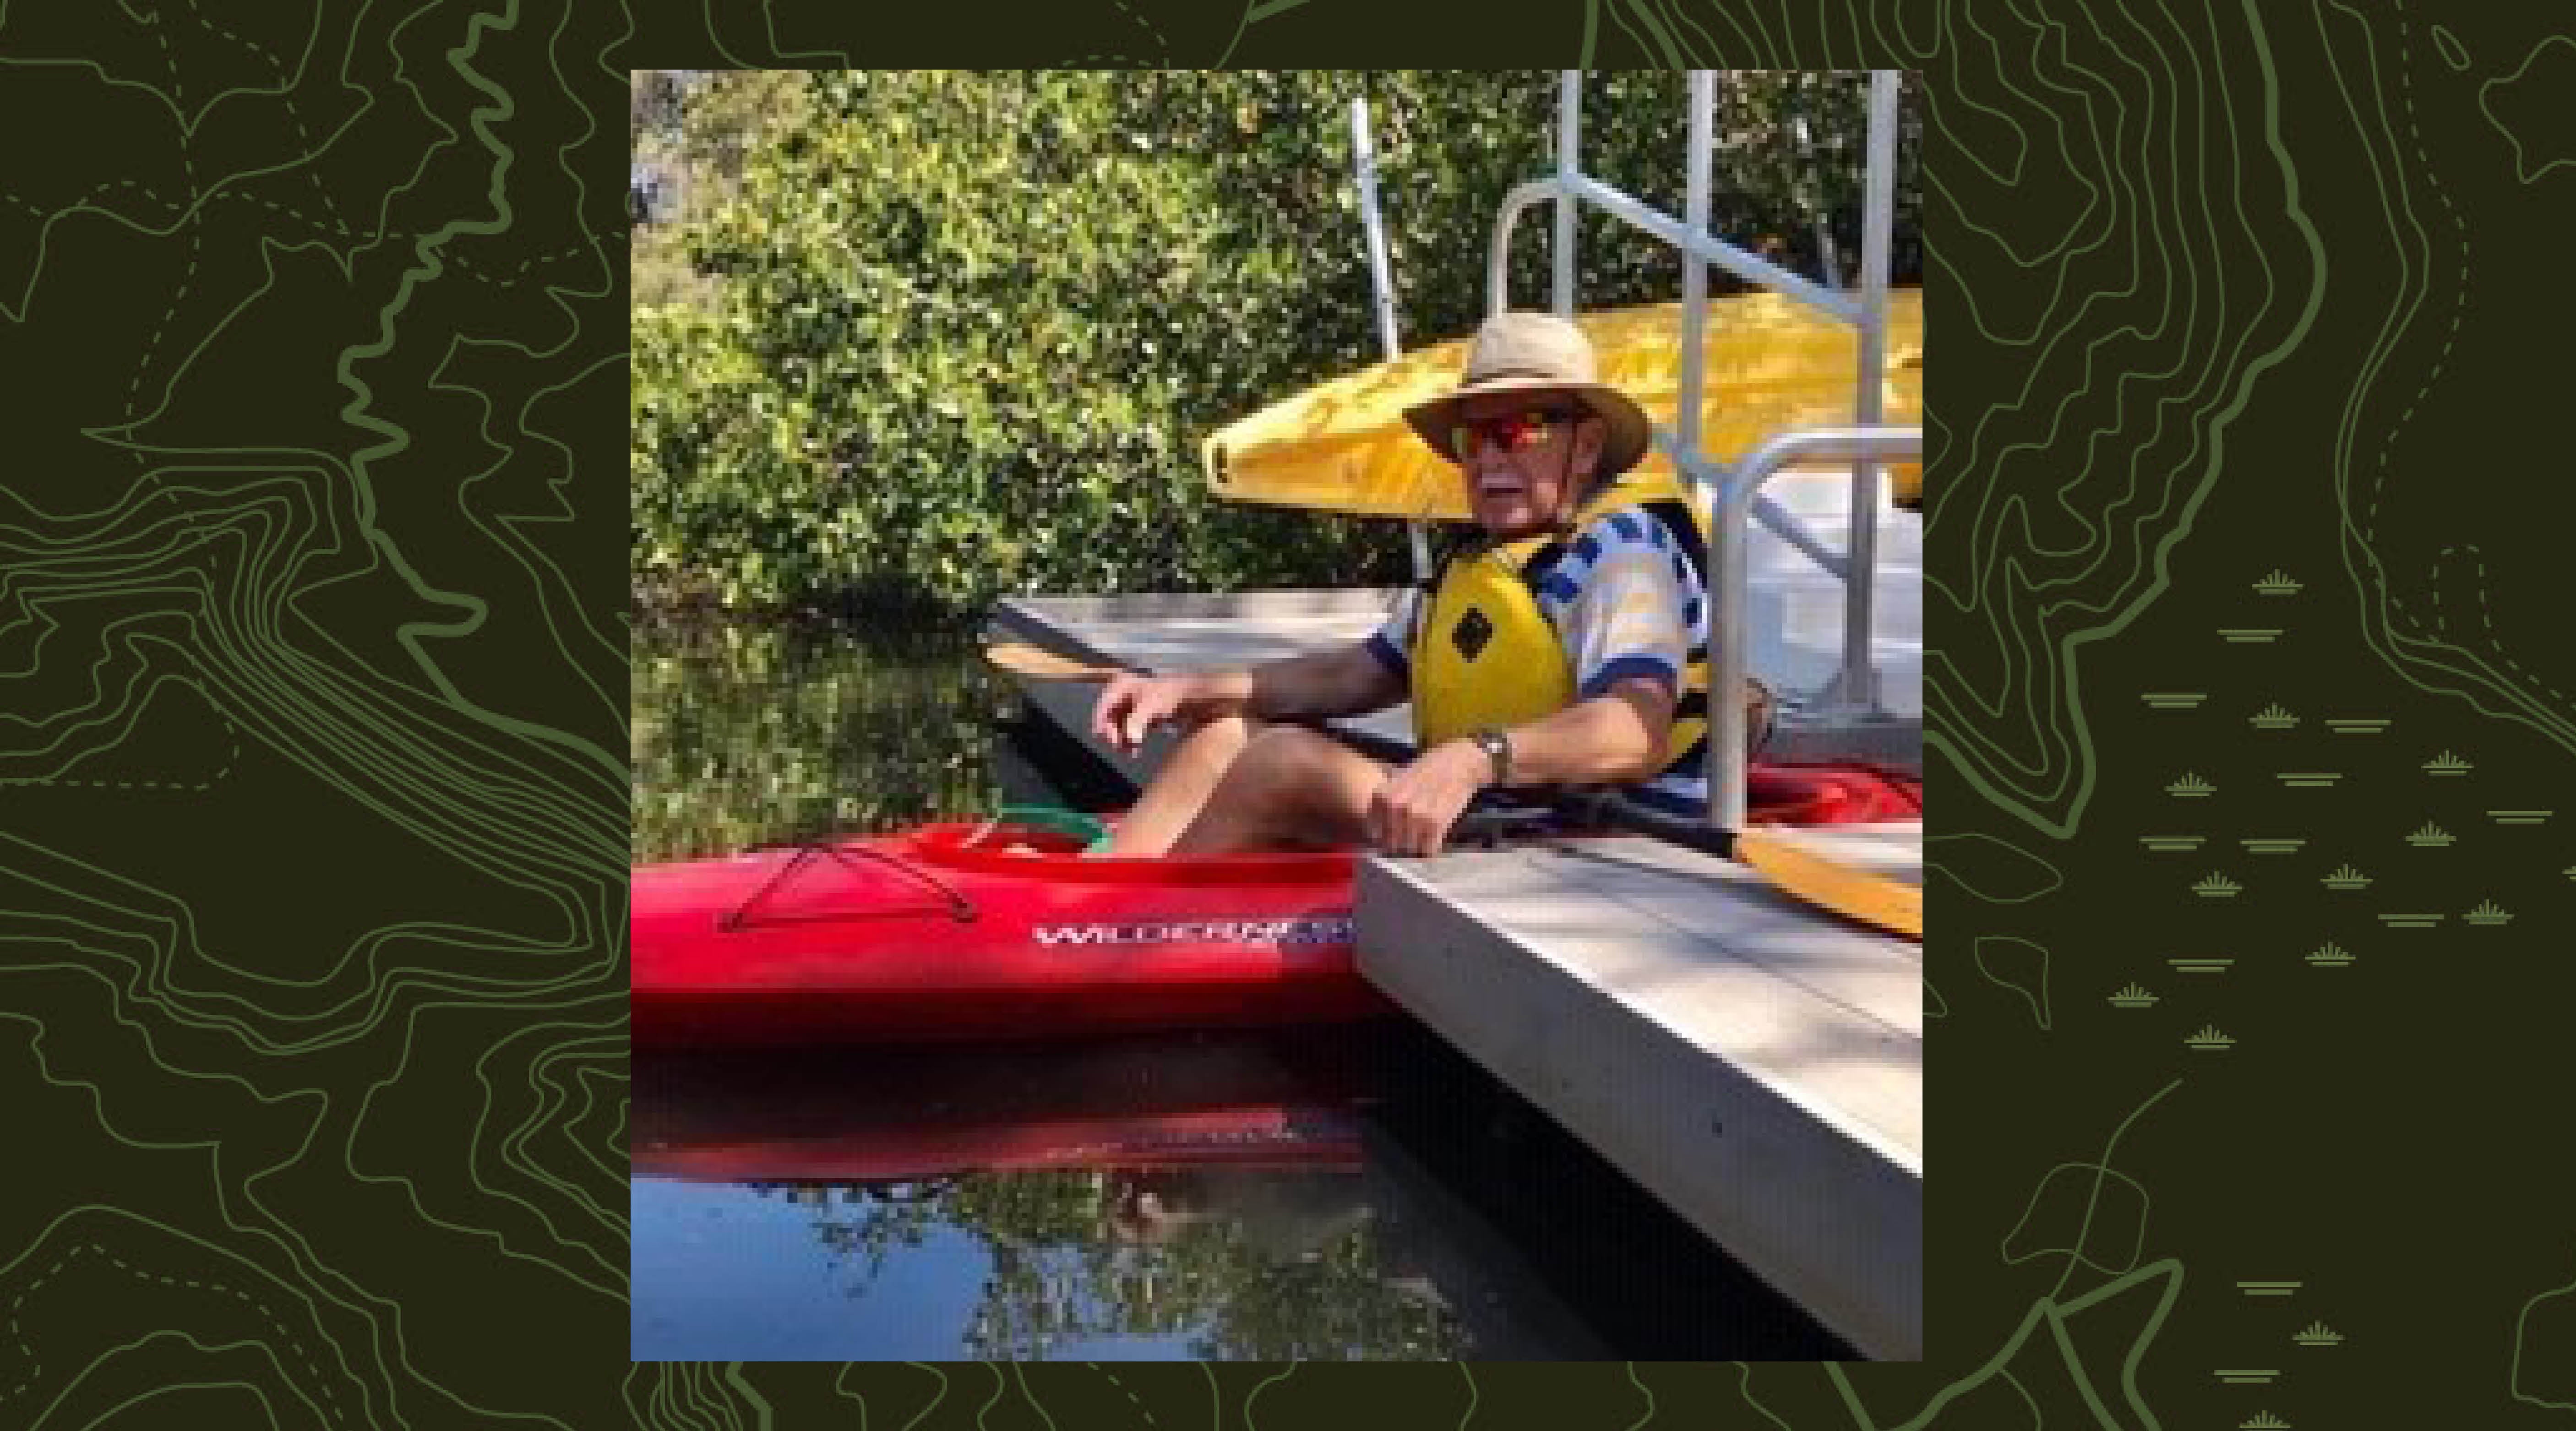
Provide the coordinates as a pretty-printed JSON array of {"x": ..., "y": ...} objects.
[{"x": 1625, "y": 603}]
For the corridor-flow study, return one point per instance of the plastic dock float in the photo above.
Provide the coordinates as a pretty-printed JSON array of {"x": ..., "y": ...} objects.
[
  {"x": 1755, "y": 1064},
  {"x": 1187, "y": 633}
]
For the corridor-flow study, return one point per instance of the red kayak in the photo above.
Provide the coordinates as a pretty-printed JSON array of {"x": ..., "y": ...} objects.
[{"x": 983, "y": 930}]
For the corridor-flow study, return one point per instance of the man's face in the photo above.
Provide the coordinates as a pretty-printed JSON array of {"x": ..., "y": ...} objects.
[{"x": 1523, "y": 456}]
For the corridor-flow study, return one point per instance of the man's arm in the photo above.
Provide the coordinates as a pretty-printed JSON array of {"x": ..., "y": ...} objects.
[
  {"x": 1344, "y": 681},
  {"x": 1614, "y": 738},
  {"x": 1347, "y": 680}
]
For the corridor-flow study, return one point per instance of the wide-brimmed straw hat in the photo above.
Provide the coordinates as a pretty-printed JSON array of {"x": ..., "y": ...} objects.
[{"x": 1538, "y": 352}]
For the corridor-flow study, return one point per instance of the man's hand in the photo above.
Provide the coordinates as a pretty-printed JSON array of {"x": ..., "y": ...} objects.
[
  {"x": 1412, "y": 812},
  {"x": 1132, "y": 704}
]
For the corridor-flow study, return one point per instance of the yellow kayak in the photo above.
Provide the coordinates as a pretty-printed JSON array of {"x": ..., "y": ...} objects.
[{"x": 1770, "y": 364}]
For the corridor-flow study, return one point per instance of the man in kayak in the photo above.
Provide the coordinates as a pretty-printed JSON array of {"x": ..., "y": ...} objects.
[{"x": 1569, "y": 647}]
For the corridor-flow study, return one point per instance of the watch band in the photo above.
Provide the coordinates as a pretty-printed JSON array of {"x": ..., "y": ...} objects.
[{"x": 1498, "y": 749}]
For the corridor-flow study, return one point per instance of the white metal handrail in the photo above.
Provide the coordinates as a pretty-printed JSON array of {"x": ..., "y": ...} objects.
[
  {"x": 1751, "y": 267},
  {"x": 1728, "y": 492},
  {"x": 1382, "y": 283},
  {"x": 1730, "y": 583},
  {"x": 1788, "y": 526}
]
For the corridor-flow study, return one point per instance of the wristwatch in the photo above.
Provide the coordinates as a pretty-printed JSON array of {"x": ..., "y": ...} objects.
[{"x": 1498, "y": 749}]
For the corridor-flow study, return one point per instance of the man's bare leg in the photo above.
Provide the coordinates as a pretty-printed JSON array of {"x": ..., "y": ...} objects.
[
  {"x": 1173, "y": 798},
  {"x": 1289, "y": 788}
]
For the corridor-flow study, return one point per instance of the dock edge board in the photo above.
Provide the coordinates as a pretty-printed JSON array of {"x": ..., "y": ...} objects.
[{"x": 1832, "y": 1220}]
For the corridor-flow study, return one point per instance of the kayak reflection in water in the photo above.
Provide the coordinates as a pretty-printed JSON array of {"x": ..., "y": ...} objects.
[{"x": 1569, "y": 646}]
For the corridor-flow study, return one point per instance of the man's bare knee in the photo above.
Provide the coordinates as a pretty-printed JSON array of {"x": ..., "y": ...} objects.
[
  {"x": 1286, "y": 752},
  {"x": 1289, "y": 787},
  {"x": 1220, "y": 725},
  {"x": 1199, "y": 761}
]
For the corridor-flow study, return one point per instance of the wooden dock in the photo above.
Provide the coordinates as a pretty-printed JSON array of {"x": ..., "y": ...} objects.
[
  {"x": 1756, "y": 1065},
  {"x": 1754, "y": 1062}
]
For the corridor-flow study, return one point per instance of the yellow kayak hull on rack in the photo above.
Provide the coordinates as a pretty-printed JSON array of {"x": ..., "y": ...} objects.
[{"x": 1771, "y": 363}]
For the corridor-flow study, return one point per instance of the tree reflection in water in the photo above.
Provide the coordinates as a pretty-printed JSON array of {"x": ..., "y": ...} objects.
[{"x": 1250, "y": 1264}]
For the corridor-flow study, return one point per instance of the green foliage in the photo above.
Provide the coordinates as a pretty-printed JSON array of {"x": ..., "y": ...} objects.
[
  {"x": 747, "y": 733},
  {"x": 930, "y": 337}
]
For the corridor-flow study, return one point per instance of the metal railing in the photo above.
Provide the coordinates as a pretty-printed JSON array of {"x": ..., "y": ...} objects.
[
  {"x": 1382, "y": 286},
  {"x": 1727, "y": 494},
  {"x": 1730, "y": 585}
]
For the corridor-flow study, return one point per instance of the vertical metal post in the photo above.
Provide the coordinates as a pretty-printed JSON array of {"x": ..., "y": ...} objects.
[
  {"x": 1382, "y": 283},
  {"x": 1730, "y": 632},
  {"x": 1859, "y": 680},
  {"x": 1724, "y": 519},
  {"x": 1569, "y": 144},
  {"x": 1826, "y": 257},
  {"x": 1686, "y": 420}
]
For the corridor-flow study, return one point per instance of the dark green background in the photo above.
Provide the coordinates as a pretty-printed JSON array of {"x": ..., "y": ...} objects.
[{"x": 312, "y": 602}]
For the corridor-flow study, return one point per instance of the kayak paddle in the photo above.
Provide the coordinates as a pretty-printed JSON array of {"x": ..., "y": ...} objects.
[
  {"x": 1019, "y": 658},
  {"x": 1869, "y": 897}
]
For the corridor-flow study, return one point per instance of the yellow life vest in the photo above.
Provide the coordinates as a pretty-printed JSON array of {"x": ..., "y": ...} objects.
[{"x": 1485, "y": 654}]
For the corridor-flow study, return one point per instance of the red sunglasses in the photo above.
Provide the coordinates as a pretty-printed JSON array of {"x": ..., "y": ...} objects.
[{"x": 1511, "y": 432}]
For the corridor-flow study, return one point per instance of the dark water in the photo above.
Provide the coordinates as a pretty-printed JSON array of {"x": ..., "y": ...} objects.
[{"x": 1323, "y": 1194}]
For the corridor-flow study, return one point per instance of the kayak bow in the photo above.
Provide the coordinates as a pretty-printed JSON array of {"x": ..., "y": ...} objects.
[{"x": 985, "y": 930}]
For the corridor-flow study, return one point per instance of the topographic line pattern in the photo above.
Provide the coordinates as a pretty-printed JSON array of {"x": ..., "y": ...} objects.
[
  {"x": 313, "y": 320},
  {"x": 2394, "y": 548},
  {"x": 308, "y": 332}
]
